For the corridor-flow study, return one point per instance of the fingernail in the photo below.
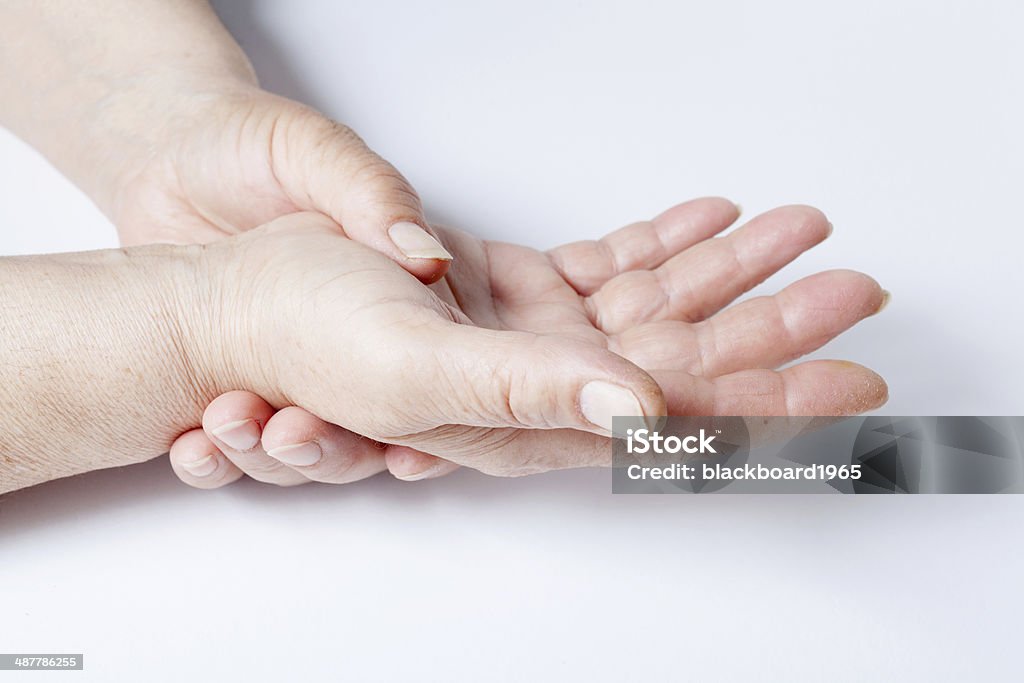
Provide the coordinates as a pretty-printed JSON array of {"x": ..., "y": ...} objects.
[
  {"x": 415, "y": 242},
  {"x": 830, "y": 229},
  {"x": 434, "y": 470},
  {"x": 416, "y": 476},
  {"x": 300, "y": 454},
  {"x": 241, "y": 435},
  {"x": 203, "y": 467},
  {"x": 886, "y": 298},
  {"x": 739, "y": 208},
  {"x": 600, "y": 401}
]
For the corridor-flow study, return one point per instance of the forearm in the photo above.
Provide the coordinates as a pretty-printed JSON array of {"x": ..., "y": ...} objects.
[
  {"x": 92, "y": 85},
  {"x": 97, "y": 369}
]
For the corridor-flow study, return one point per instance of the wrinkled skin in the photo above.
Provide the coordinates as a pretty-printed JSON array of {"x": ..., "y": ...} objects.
[
  {"x": 414, "y": 359},
  {"x": 228, "y": 162}
]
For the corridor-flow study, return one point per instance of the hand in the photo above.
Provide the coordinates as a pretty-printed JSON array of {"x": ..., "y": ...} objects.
[
  {"x": 244, "y": 157},
  {"x": 300, "y": 316},
  {"x": 175, "y": 141},
  {"x": 652, "y": 292}
]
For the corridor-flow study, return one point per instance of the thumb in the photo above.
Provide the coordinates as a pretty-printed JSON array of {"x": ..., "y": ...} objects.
[
  {"x": 525, "y": 380},
  {"x": 325, "y": 167}
]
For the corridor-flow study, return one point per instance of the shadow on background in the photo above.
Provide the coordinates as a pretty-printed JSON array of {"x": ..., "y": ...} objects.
[
  {"x": 573, "y": 496},
  {"x": 922, "y": 359}
]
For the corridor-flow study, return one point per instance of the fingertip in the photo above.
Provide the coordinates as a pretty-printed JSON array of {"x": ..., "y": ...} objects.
[
  {"x": 426, "y": 270},
  {"x": 713, "y": 209},
  {"x": 625, "y": 378},
  {"x": 809, "y": 213},
  {"x": 844, "y": 290},
  {"x": 848, "y": 388},
  {"x": 869, "y": 385},
  {"x": 416, "y": 243},
  {"x": 652, "y": 398},
  {"x": 320, "y": 450},
  {"x": 807, "y": 220},
  {"x": 610, "y": 386},
  {"x": 538, "y": 381},
  {"x": 416, "y": 248},
  {"x": 885, "y": 299},
  {"x": 199, "y": 463},
  {"x": 601, "y": 402},
  {"x": 408, "y": 464},
  {"x": 292, "y": 425},
  {"x": 865, "y": 291},
  {"x": 234, "y": 422},
  {"x": 236, "y": 418}
]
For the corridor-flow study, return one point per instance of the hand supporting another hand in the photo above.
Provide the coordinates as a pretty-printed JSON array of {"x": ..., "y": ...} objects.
[
  {"x": 509, "y": 379},
  {"x": 176, "y": 142},
  {"x": 652, "y": 292},
  {"x": 243, "y": 157}
]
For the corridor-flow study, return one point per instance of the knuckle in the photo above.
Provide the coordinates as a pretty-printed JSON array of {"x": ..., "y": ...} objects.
[
  {"x": 374, "y": 176},
  {"x": 316, "y": 131}
]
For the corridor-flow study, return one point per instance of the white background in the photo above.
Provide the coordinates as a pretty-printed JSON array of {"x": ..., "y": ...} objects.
[{"x": 545, "y": 122}]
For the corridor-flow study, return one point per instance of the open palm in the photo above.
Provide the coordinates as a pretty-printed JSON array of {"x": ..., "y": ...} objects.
[{"x": 656, "y": 293}]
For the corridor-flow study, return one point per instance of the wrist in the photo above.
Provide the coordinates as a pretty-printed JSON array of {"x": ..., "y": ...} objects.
[
  {"x": 139, "y": 130},
  {"x": 93, "y": 89},
  {"x": 98, "y": 370},
  {"x": 209, "y": 321}
]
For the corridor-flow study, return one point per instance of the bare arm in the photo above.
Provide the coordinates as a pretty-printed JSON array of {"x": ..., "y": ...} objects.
[
  {"x": 153, "y": 109},
  {"x": 93, "y": 85},
  {"x": 92, "y": 372}
]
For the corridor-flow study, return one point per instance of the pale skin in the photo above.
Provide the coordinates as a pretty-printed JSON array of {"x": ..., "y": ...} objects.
[
  {"x": 291, "y": 312},
  {"x": 639, "y": 292},
  {"x": 176, "y": 142}
]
